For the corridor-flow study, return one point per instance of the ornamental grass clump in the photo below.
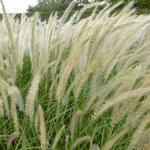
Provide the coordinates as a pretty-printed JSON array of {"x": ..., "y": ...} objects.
[{"x": 75, "y": 83}]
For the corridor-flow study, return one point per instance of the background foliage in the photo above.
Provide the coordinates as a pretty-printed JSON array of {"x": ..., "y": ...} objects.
[{"x": 46, "y": 7}]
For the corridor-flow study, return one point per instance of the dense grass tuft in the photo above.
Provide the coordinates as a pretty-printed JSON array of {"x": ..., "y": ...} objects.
[{"x": 77, "y": 84}]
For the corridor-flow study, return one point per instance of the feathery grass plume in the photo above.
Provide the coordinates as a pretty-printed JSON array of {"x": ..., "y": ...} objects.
[
  {"x": 74, "y": 121},
  {"x": 22, "y": 35},
  {"x": 100, "y": 41},
  {"x": 129, "y": 79},
  {"x": 51, "y": 93},
  {"x": 31, "y": 97},
  {"x": 137, "y": 134},
  {"x": 83, "y": 61},
  {"x": 33, "y": 48},
  {"x": 125, "y": 9},
  {"x": 145, "y": 35},
  {"x": 14, "y": 116},
  {"x": 15, "y": 95},
  {"x": 145, "y": 64},
  {"x": 102, "y": 12},
  {"x": 102, "y": 91},
  {"x": 4, "y": 84},
  {"x": 85, "y": 7},
  {"x": 58, "y": 61},
  {"x": 5, "y": 100},
  {"x": 95, "y": 147},
  {"x": 133, "y": 31},
  {"x": 43, "y": 54},
  {"x": 2, "y": 62},
  {"x": 36, "y": 120},
  {"x": 135, "y": 57},
  {"x": 1, "y": 108},
  {"x": 133, "y": 116},
  {"x": 66, "y": 142},
  {"x": 66, "y": 13},
  {"x": 146, "y": 81},
  {"x": 96, "y": 31},
  {"x": 18, "y": 54},
  {"x": 122, "y": 98},
  {"x": 57, "y": 137},
  {"x": 92, "y": 66},
  {"x": 82, "y": 78},
  {"x": 144, "y": 147},
  {"x": 43, "y": 69},
  {"x": 4, "y": 95},
  {"x": 70, "y": 62},
  {"x": 50, "y": 35},
  {"x": 120, "y": 111},
  {"x": 96, "y": 79},
  {"x": 121, "y": 26},
  {"x": 11, "y": 138},
  {"x": 92, "y": 138},
  {"x": 143, "y": 106},
  {"x": 121, "y": 52},
  {"x": 127, "y": 28},
  {"x": 12, "y": 43},
  {"x": 111, "y": 142},
  {"x": 42, "y": 128},
  {"x": 144, "y": 141},
  {"x": 8, "y": 26},
  {"x": 79, "y": 141}
]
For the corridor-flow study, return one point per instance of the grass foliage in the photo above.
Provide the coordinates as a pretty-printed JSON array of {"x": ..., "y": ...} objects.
[{"x": 76, "y": 84}]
